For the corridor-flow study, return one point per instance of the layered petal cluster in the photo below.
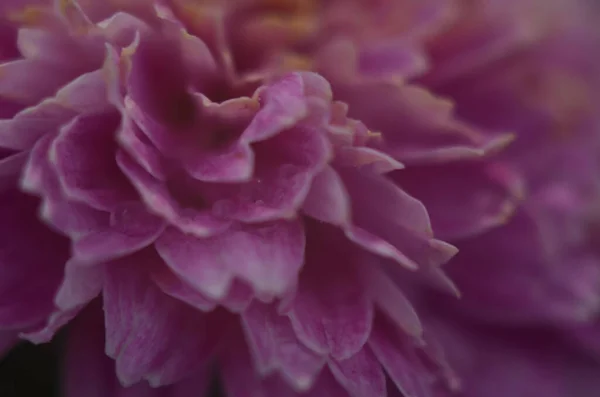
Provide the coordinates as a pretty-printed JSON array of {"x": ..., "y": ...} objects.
[
  {"x": 260, "y": 190},
  {"x": 191, "y": 215}
]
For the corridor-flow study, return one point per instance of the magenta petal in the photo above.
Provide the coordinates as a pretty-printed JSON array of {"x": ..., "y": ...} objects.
[
  {"x": 284, "y": 105},
  {"x": 328, "y": 200},
  {"x": 396, "y": 217},
  {"x": 131, "y": 228},
  {"x": 50, "y": 48},
  {"x": 400, "y": 361},
  {"x": 137, "y": 145},
  {"x": 173, "y": 286},
  {"x": 331, "y": 312},
  {"x": 80, "y": 285},
  {"x": 29, "y": 81},
  {"x": 388, "y": 297},
  {"x": 238, "y": 298},
  {"x": 232, "y": 165},
  {"x": 276, "y": 348},
  {"x": 285, "y": 167},
  {"x": 175, "y": 345},
  {"x": 90, "y": 373},
  {"x": 22, "y": 131},
  {"x": 84, "y": 94},
  {"x": 83, "y": 155},
  {"x": 361, "y": 375},
  {"x": 156, "y": 196},
  {"x": 71, "y": 218},
  {"x": 372, "y": 159},
  {"x": 267, "y": 256}
]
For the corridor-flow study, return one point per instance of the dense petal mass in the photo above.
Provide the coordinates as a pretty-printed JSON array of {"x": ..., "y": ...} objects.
[
  {"x": 267, "y": 191},
  {"x": 205, "y": 208}
]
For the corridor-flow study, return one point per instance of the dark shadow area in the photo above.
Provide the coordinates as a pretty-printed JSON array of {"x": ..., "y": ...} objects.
[{"x": 30, "y": 371}]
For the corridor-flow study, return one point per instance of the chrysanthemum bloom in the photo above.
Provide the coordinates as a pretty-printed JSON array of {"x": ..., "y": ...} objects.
[
  {"x": 174, "y": 184},
  {"x": 192, "y": 216}
]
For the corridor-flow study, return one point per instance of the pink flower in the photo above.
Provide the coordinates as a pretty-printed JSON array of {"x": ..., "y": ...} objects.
[
  {"x": 264, "y": 191},
  {"x": 190, "y": 215}
]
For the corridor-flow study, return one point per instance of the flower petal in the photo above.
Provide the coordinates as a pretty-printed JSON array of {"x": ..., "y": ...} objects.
[
  {"x": 386, "y": 211},
  {"x": 155, "y": 194},
  {"x": 275, "y": 347},
  {"x": 361, "y": 375},
  {"x": 131, "y": 228},
  {"x": 330, "y": 311},
  {"x": 267, "y": 256},
  {"x": 83, "y": 155},
  {"x": 285, "y": 167},
  {"x": 177, "y": 343},
  {"x": 70, "y": 218},
  {"x": 397, "y": 355},
  {"x": 328, "y": 201}
]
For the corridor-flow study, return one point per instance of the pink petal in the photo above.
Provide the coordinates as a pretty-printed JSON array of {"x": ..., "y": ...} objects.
[
  {"x": 365, "y": 157},
  {"x": 232, "y": 165},
  {"x": 285, "y": 167},
  {"x": 155, "y": 194},
  {"x": 173, "y": 286},
  {"x": 141, "y": 149},
  {"x": 388, "y": 297},
  {"x": 283, "y": 106},
  {"x": 386, "y": 211},
  {"x": 267, "y": 256},
  {"x": 29, "y": 81},
  {"x": 330, "y": 312},
  {"x": 397, "y": 355},
  {"x": 83, "y": 155},
  {"x": 131, "y": 228},
  {"x": 328, "y": 200},
  {"x": 90, "y": 373},
  {"x": 176, "y": 344},
  {"x": 275, "y": 347},
  {"x": 22, "y": 131},
  {"x": 69, "y": 217},
  {"x": 361, "y": 375}
]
